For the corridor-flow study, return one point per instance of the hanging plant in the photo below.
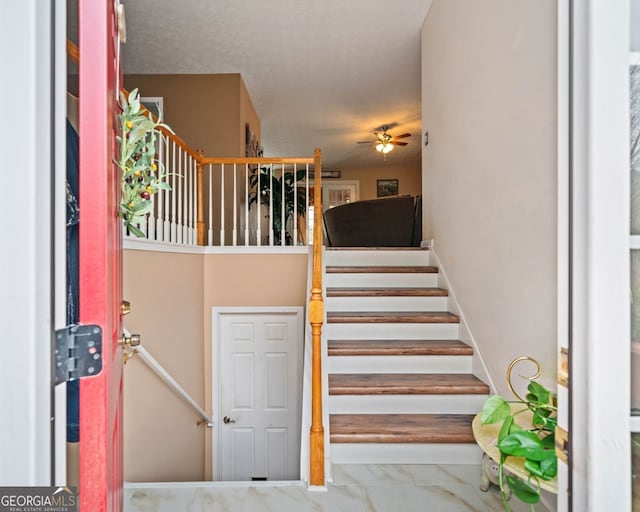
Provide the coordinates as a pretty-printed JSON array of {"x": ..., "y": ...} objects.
[
  {"x": 140, "y": 172},
  {"x": 536, "y": 445}
]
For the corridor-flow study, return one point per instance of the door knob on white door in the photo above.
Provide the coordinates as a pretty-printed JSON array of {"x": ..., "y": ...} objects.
[{"x": 226, "y": 419}]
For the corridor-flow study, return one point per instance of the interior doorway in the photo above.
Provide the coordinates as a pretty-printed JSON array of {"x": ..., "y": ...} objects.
[{"x": 257, "y": 376}]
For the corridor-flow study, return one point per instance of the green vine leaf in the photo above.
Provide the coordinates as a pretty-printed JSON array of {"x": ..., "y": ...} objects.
[
  {"x": 545, "y": 469},
  {"x": 524, "y": 443},
  {"x": 523, "y": 490},
  {"x": 494, "y": 409},
  {"x": 506, "y": 428},
  {"x": 535, "y": 444}
]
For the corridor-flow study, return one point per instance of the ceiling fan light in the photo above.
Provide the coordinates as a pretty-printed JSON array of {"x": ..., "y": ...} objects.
[{"x": 384, "y": 147}]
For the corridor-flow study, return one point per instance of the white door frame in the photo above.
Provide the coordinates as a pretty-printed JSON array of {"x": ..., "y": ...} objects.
[
  {"x": 216, "y": 313},
  {"x": 32, "y": 273},
  {"x": 596, "y": 173}
]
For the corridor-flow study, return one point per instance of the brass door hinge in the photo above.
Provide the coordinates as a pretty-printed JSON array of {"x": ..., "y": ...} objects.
[
  {"x": 563, "y": 367},
  {"x": 562, "y": 444}
]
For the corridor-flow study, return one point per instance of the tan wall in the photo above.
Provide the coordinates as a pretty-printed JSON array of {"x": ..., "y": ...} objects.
[
  {"x": 248, "y": 115},
  {"x": 173, "y": 316},
  {"x": 489, "y": 174},
  {"x": 208, "y": 112},
  {"x": 162, "y": 440},
  {"x": 409, "y": 180},
  {"x": 249, "y": 280},
  {"x": 204, "y": 110}
]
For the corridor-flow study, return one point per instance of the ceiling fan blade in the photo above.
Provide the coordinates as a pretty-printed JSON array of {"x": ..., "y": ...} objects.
[
  {"x": 402, "y": 136},
  {"x": 397, "y": 143},
  {"x": 367, "y": 142}
]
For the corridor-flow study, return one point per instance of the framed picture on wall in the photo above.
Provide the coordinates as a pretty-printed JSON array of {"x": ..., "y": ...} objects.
[{"x": 387, "y": 188}]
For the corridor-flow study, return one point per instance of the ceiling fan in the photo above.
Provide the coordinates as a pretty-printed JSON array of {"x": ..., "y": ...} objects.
[{"x": 385, "y": 141}]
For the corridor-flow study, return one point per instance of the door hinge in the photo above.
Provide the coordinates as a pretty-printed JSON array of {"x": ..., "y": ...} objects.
[
  {"x": 563, "y": 367},
  {"x": 78, "y": 352},
  {"x": 562, "y": 444}
]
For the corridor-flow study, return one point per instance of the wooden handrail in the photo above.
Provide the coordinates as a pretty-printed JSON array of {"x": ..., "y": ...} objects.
[
  {"x": 73, "y": 51},
  {"x": 257, "y": 161},
  {"x": 316, "y": 318}
]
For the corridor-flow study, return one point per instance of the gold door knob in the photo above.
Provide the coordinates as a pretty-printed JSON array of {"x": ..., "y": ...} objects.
[
  {"x": 132, "y": 341},
  {"x": 125, "y": 307}
]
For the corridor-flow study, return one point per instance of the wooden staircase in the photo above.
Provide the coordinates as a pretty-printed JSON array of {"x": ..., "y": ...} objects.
[{"x": 400, "y": 383}]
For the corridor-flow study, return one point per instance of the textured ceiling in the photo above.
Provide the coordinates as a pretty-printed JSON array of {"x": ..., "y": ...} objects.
[{"x": 323, "y": 73}]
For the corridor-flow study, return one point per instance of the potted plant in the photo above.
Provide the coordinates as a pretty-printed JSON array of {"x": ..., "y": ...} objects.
[
  {"x": 140, "y": 176},
  {"x": 535, "y": 443},
  {"x": 268, "y": 184}
]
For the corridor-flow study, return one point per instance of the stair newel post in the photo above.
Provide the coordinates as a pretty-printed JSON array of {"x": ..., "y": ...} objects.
[
  {"x": 200, "y": 165},
  {"x": 316, "y": 316}
]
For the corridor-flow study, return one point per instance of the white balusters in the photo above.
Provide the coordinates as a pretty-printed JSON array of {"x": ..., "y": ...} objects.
[
  {"x": 246, "y": 204},
  {"x": 295, "y": 205},
  {"x": 166, "y": 228},
  {"x": 258, "y": 208},
  {"x": 194, "y": 202},
  {"x": 160, "y": 196},
  {"x": 235, "y": 206},
  {"x": 222, "y": 205},
  {"x": 270, "y": 200},
  {"x": 270, "y": 204},
  {"x": 210, "y": 231},
  {"x": 179, "y": 193},
  {"x": 191, "y": 202},
  {"x": 174, "y": 183},
  {"x": 283, "y": 207}
]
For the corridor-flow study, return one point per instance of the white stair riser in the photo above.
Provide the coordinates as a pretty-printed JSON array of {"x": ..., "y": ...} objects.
[
  {"x": 406, "y": 404},
  {"x": 405, "y": 453},
  {"x": 382, "y": 280},
  {"x": 399, "y": 364},
  {"x": 386, "y": 303},
  {"x": 376, "y": 258},
  {"x": 392, "y": 331}
]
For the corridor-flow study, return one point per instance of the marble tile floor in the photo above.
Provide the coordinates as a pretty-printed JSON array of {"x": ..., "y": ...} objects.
[{"x": 355, "y": 488}]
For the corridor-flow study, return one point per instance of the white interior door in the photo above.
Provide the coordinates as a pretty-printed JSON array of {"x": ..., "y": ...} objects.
[{"x": 258, "y": 394}]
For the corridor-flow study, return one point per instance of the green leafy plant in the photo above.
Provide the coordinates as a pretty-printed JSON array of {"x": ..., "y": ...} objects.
[
  {"x": 140, "y": 175},
  {"x": 536, "y": 445},
  {"x": 267, "y": 184}
]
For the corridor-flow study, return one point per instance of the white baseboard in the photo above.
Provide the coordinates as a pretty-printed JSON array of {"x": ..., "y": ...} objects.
[{"x": 478, "y": 364}]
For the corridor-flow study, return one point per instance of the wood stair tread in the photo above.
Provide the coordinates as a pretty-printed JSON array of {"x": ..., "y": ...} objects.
[
  {"x": 401, "y": 428},
  {"x": 398, "y": 347},
  {"x": 387, "y": 292},
  {"x": 406, "y": 384},
  {"x": 365, "y": 317},
  {"x": 383, "y": 269}
]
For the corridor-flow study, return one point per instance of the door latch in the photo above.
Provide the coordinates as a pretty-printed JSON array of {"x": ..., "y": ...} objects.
[{"x": 78, "y": 352}]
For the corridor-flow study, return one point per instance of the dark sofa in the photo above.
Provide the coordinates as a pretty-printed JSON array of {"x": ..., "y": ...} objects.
[{"x": 394, "y": 221}]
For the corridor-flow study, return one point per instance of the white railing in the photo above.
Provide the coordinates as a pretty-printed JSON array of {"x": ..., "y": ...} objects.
[
  {"x": 229, "y": 201},
  {"x": 166, "y": 377},
  {"x": 257, "y": 201}
]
